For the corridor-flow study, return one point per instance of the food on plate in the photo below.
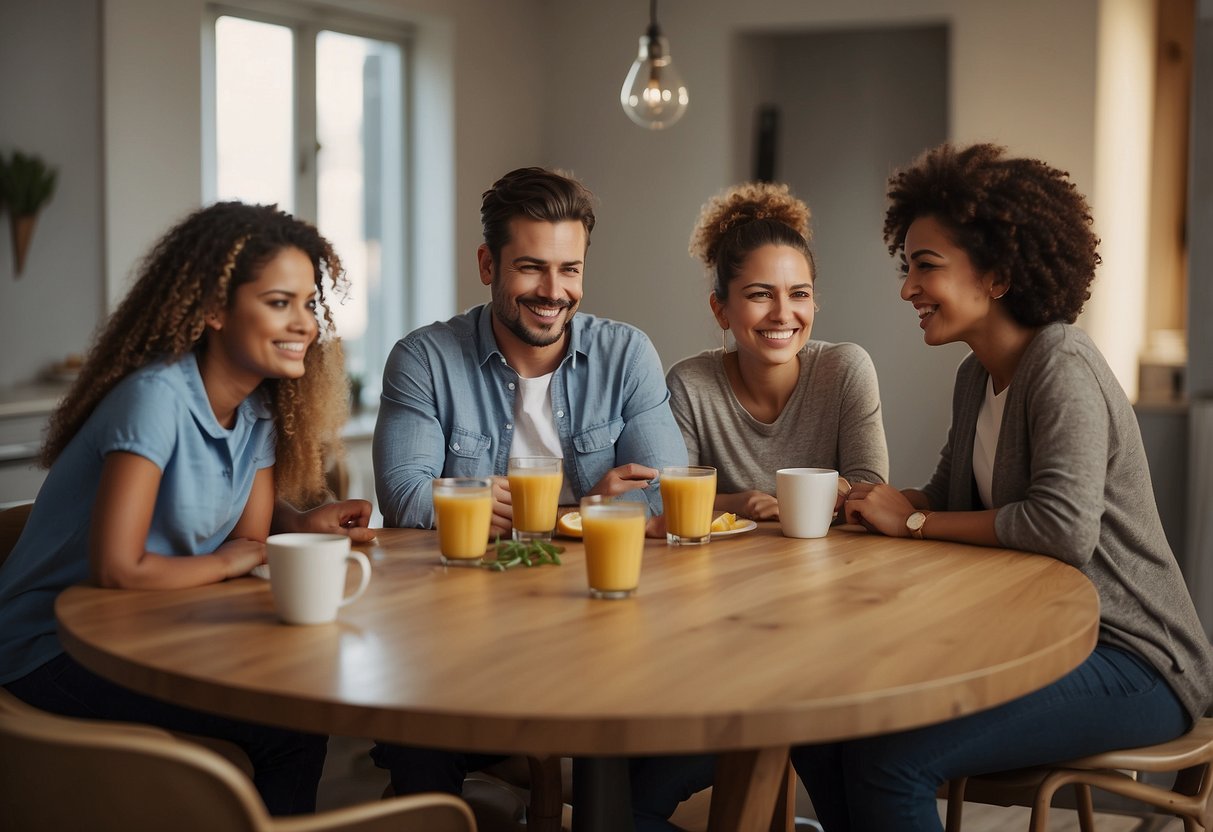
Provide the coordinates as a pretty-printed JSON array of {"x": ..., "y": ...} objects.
[
  {"x": 569, "y": 524},
  {"x": 727, "y": 522}
]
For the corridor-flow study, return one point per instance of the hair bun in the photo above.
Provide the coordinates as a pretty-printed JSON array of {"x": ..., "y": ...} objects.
[{"x": 742, "y": 204}]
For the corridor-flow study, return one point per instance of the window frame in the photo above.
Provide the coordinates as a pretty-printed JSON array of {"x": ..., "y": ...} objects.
[{"x": 306, "y": 22}]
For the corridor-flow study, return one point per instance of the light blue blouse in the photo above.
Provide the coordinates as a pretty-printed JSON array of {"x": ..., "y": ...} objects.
[{"x": 159, "y": 412}]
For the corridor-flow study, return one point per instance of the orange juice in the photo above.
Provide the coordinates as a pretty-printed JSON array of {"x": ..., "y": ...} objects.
[
  {"x": 463, "y": 510},
  {"x": 688, "y": 495},
  {"x": 535, "y": 493},
  {"x": 613, "y": 534}
]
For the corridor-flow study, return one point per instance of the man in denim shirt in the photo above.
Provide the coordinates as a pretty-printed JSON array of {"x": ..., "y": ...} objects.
[{"x": 523, "y": 375}]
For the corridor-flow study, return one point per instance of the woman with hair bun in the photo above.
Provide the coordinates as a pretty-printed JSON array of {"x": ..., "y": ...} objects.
[
  {"x": 778, "y": 400},
  {"x": 202, "y": 415},
  {"x": 1044, "y": 455}
]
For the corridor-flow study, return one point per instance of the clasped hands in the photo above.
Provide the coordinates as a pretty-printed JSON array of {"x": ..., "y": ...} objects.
[{"x": 878, "y": 508}]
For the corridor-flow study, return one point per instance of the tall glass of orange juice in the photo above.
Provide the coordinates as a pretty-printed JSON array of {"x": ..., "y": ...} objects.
[
  {"x": 535, "y": 483},
  {"x": 463, "y": 507},
  {"x": 687, "y": 493},
  {"x": 613, "y": 533}
]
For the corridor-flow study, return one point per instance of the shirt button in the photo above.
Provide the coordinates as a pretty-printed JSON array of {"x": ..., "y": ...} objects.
[
  {"x": 503, "y": 360},
  {"x": 455, "y": 447},
  {"x": 559, "y": 414},
  {"x": 511, "y": 385},
  {"x": 508, "y": 426}
]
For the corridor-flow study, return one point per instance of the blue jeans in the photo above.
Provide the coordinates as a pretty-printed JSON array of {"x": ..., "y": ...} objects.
[
  {"x": 1112, "y": 700},
  {"x": 659, "y": 784},
  {"x": 286, "y": 764}
]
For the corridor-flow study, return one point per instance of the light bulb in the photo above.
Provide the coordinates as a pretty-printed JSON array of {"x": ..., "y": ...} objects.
[{"x": 653, "y": 94}]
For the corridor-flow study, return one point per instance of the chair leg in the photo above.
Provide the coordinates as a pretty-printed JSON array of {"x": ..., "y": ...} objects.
[
  {"x": 1086, "y": 807},
  {"x": 546, "y": 805},
  {"x": 956, "y": 802},
  {"x": 1039, "y": 821}
]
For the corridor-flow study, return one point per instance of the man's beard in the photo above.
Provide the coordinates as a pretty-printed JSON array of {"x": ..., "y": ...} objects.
[{"x": 511, "y": 316}]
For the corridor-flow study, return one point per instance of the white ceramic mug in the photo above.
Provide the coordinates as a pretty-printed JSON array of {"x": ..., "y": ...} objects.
[
  {"x": 307, "y": 575},
  {"x": 806, "y": 500}
]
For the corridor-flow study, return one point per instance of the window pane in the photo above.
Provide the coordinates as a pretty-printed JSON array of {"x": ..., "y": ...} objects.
[
  {"x": 253, "y": 112},
  {"x": 359, "y": 125}
]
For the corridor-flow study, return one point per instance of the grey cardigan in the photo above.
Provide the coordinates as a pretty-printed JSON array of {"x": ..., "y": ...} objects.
[{"x": 1071, "y": 480}]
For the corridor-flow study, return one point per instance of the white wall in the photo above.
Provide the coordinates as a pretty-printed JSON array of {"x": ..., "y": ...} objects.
[
  {"x": 839, "y": 145},
  {"x": 1022, "y": 74},
  {"x": 534, "y": 82},
  {"x": 487, "y": 51},
  {"x": 49, "y": 106}
]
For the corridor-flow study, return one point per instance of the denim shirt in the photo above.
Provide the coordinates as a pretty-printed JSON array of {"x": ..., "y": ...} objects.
[{"x": 448, "y": 411}]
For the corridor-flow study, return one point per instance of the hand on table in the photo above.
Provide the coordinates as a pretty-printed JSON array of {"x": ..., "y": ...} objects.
[
  {"x": 240, "y": 555},
  {"x": 756, "y": 505},
  {"x": 878, "y": 508},
  {"x": 348, "y": 517},
  {"x": 655, "y": 527},
  {"x": 503, "y": 509},
  {"x": 623, "y": 479}
]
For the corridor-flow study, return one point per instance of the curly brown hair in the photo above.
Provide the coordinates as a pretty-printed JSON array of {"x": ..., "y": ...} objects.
[
  {"x": 746, "y": 217},
  {"x": 1019, "y": 219},
  {"x": 194, "y": 269}
]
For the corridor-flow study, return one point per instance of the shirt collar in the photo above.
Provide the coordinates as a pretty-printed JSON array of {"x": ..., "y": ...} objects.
[{"x": 256, "y": 406}]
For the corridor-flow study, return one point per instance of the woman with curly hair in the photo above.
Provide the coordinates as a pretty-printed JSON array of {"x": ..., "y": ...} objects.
[
  {"x": 779, "y": 399},
  {"x": 1043, "y": 455},
  {"x": 202, "y": 415}
]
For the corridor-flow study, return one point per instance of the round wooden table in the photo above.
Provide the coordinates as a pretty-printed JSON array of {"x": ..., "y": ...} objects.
[{"x": 746, "y": 645}]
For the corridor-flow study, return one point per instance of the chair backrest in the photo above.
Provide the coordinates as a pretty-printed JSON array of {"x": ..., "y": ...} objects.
[
  {"x": 64, "y": 773},
  {"x": 12, "y": 521}
]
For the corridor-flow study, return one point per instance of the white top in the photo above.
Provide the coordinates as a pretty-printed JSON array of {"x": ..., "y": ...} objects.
[
  {"x": 535, "y": 426},
  {"x": 985, "y": 442}
]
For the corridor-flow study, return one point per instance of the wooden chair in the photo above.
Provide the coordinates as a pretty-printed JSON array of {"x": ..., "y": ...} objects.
[
  {"x": 12, "y": 522},
  {"x": 1191, "y": 797},
  {"x": 132, "y": 778}
]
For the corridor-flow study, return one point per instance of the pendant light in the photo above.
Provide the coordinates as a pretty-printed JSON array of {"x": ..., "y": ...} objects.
[{"x": 653, "y": 94}]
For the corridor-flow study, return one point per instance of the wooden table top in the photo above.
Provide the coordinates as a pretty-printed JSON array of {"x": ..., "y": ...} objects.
[{"x": 751, "y": 641}]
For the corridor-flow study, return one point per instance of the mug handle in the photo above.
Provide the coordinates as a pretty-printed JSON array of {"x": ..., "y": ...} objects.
[{"x": 364, "y": 565}]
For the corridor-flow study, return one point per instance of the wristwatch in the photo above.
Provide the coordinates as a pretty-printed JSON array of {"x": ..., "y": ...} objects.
[{"x": 915, "y": 523}]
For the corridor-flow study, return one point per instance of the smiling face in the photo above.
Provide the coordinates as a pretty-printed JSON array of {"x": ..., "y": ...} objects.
[
  {"x": 770, "y": 306},
  {"x": 270, "y": 321},
  {"x": 952, "y": 299},
  {"x": 536, "y": 282}
]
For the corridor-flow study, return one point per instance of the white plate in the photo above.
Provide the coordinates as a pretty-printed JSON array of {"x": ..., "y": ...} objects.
[{"x": 749, "y": 526}]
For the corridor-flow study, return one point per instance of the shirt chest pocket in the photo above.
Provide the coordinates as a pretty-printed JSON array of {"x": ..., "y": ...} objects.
[
  {"x": 467, "y": 454},
  {"x": 599, "y": 439}
]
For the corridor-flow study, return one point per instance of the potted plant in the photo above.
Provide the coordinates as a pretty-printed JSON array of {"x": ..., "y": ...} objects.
[{"x": 26, "y": 184}]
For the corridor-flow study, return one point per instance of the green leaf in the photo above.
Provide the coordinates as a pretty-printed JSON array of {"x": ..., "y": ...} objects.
[
  {"x": 26, "y": 183},
  {"x": 511, "y": 553}
]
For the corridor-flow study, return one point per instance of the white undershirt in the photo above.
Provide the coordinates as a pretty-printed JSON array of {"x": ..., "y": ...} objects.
[
  {"x": 985, "y": 443},
  {"x": 535, "y": 426}
]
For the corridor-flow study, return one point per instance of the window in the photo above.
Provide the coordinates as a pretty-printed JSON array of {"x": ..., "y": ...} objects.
[{"x": 309, "y": 113}]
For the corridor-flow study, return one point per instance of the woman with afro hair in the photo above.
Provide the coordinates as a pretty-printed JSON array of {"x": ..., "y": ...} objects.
[
  {"x": 201, "y": 417},
  {"x": 777, "y": 400},
  {"x": 1044, "y": 455}
]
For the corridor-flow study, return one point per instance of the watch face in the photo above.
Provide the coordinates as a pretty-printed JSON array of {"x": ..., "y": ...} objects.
[{"x": 914, "y": 521}]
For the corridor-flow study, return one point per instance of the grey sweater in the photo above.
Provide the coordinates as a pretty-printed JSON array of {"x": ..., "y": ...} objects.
[
  {"x": 1071, "y": 480},
  {"x": 832, "y": 420}
]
